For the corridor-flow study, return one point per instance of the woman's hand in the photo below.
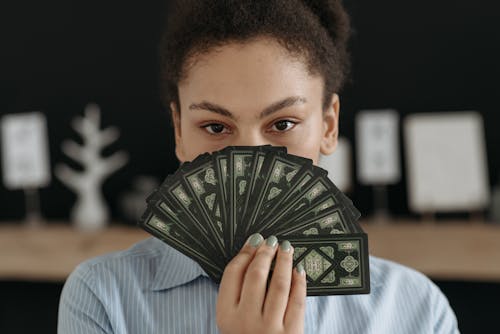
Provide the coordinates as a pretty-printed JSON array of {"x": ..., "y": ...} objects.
[{"x": 243, "y": 306}]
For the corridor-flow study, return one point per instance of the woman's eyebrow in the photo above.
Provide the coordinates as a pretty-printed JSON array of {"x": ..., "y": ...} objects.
[{"x": 287, "y": 102}]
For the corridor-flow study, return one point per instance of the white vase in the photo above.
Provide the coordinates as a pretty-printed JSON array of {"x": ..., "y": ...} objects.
[{"x": 90, "y": 211}]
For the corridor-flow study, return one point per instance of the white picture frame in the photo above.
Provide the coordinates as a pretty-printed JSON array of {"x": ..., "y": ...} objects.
[
  {"x": 377, "y": 147},
  {"x": 25, "y": 152},
  {"x": 339, "y": 165},
  {"x": 446, "y": 162}
]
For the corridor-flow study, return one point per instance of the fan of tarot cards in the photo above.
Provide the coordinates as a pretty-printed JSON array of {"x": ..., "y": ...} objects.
[{"x": 211, "y": 205}]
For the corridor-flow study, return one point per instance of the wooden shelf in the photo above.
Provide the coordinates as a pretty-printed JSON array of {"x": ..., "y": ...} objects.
[
  {"x": 51, "y": 252},
  {"x": 468, "y": 251},
  {"x": 447, "y": 251}
]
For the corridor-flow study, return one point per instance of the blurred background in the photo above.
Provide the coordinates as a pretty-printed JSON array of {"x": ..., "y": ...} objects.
[{"x": 420, "y": 71}]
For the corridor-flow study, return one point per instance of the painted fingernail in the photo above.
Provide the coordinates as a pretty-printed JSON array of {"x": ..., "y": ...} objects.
[
  {"x": 285, "y": 246},
  {"x": 272, "y": 241},
  {"x": 300, "y": 268},
  {"x": 255, "y": 240}
]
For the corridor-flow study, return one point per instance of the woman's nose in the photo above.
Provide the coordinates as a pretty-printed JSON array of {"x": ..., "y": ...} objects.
[{"x": 250, "y": 138}]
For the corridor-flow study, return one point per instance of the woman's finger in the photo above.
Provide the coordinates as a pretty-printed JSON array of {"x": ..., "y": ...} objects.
[
  {"x": 279, "y": 289},
  {"x": 294, "y": 315},
  {"x": 234, "y": 273},
  {"x": 253, "y": 290}
]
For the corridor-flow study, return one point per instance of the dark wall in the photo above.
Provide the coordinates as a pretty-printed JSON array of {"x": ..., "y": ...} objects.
[
  {"x": 59, "y": 55},
  {"x": 425, "y": 56}
]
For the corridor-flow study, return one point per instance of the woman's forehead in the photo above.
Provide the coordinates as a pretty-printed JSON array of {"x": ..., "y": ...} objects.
[
  {"x": 255, "y": 57},
  {"x": 239, "y": 74}
]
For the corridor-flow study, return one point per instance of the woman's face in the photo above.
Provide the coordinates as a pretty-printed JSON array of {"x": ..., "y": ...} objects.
[{"x": 253, "y": 94}]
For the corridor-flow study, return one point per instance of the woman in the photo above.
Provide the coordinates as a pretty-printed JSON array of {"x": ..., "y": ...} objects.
[{"x": 248, "y": 72}]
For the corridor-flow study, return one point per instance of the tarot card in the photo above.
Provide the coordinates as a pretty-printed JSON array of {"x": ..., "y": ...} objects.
[
  {"x": 202, "y": 184},
  {"x": 336, "y": 264},
  {"x": 305, "y": 175},
  {"x": 241, "y": 161},
  {"x": 191, "y": 214},
  {"x": 338, "y": 221},
  {"x": 167, "y": 231},
  {"x": 221, "y": 161},
  {"x": 325, "y": 222},
  {"x": 302, "y": 201},
  {"x": 164, "y": 208},
  {"x": 279, "y": 177}
]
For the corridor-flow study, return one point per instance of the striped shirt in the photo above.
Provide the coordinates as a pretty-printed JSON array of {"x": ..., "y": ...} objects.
[{"x": 152, "y": 288}]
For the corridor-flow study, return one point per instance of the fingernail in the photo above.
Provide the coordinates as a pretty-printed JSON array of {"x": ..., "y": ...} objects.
[
  {"x": 285, "y": 246},
  {"x": 300, "y": 268},
  {"x": 255, "y": 240},
  {"x": 272, "y": 241}
]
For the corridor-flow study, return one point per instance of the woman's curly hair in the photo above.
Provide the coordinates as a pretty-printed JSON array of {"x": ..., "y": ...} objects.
[{"x": 314, "y": 31}]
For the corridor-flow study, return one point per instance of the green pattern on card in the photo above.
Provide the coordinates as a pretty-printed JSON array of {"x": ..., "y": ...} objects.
[
  {"x": 348, "y": 245},
  {"x": 329, "y": 278},
  {"x": 182, "y": 196},
  {"x": 349, "y": 263},
  {"x": 241, "y": 177},
  {"x": 223, "y": 164},
  {"x": 160, "y": 225},
  {"x": 299, "y": 251},
  {"x": 347, "y": 282},
  {"x": 328, "y": 250},
  {"x": 315, "y": 264}
]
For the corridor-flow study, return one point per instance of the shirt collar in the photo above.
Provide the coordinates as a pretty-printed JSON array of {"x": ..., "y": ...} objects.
[{"x": 173, "y": 268}]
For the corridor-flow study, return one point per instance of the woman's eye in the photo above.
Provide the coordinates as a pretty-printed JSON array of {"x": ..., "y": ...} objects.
[
  {"x": 283, "y": 125},
  {"x": 214, "y": 128}
]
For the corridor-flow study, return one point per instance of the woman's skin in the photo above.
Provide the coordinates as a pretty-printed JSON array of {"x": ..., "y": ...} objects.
[{"x": 232, "y": 96}]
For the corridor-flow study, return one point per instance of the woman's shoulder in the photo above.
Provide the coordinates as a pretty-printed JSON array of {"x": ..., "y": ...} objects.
[
  {"x": 404, "y": 286},
  {"x": 137, "y": 261},
  {"x": 144, "y": 249},
  {"x": 94, "y": 293},
  {"x": 401, "y": 300},
  {"x": 382, "y": 269},
  {"x": 387, "y": 273}
]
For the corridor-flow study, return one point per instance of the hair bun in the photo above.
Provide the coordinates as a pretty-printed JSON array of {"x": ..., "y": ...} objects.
[{"x": 332, "y": 17}]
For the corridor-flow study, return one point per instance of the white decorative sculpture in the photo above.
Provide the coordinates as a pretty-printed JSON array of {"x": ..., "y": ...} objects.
[{"x": 90, "y": 211}]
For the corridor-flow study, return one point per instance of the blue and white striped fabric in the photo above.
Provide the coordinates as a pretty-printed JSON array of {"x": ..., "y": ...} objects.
[{"x": 152, "y": 288}]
